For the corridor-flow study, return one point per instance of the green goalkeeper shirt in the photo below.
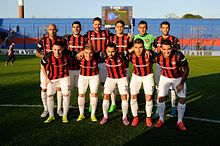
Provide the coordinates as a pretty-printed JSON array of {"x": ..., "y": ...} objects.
[{"x": 148, "y": 40}]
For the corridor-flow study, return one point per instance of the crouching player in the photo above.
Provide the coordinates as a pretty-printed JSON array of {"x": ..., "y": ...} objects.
[
  {"x": 89, "y": 76},
  {"x": 174, "y": 73},
  {"x": 57, "y": 63},
  {"x": 142, "y": 74},
  {"x": 116, "y": 67}
]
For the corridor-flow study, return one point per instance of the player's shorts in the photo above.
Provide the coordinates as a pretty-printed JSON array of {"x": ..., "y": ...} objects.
[
  {"x": 165, "y": 84},
  {"x": 63, "y": 83},
  {"x": 136, "y": 82},
  {"x": 102, "y": 72},
  {"x": 74, "y": 76},
  {"x": 110, "y": 84},
  {"x": 85, "y": 81}
]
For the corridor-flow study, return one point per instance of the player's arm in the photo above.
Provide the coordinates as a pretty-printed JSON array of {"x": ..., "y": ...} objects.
[
  {"x": 39, "y": 49},
  {"x": 44, "y": 63}
]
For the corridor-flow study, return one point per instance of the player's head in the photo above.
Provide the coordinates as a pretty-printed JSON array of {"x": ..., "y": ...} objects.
[
  {"x": 142, "y": 27},
  {"x": 111, "y": 50},
  {"x": 138, "y": 46},
  {"x": 97, "y": 24},
  {"x": 119, "y": 26},
  {"x": 166, "y": 48},
  {"x": 57, "y": 49},
  {"x": 76, "y": 27},
  {"x": 88, "y": 52},
  {"x": 52, "y": 30},
  {"x": 165, "y": 28}
]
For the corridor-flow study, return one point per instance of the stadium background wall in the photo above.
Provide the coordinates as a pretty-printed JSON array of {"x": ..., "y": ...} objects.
[{"x": 194, "y": 34}]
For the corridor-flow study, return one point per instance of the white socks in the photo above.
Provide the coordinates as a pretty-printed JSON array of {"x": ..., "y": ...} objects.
[
  {"x": 59, "y": 100},
  {"x": 81, "y": 103},
  {"x": 173, "y": 97},
  {"x": 105, "y": 107},
  {"x": 94, "y": 101},
  {"x": 181, "y": 110},
  {"x": 113, "y": 95},
  {"x": 148, "y": 108},
  {"x": 161, "y": 109},
  {"x": 124, "y": 106},
  {"x": 66, "y": 101},
  {"x": 134, "y": 107},
  {"x": 44, "y": 100},
  {"x": 50, "y": 105}
]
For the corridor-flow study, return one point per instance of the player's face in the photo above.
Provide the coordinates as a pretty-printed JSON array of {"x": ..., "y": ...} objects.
[
  {"x": 166, "y": 50},
  {"x": 142, "y": 29},
  {"x": 88, "y": 54},
  {"x": 138, "y": 49},
  {"x": 119, "y": 28},
  {"x": 97, "y": 25},
  {"x": 76, "y": 29},
  {"x": 57, "y": 51},
  {"x": 165, "y": 29},
  {"x": 52, "y": 30},
  {"x": 110, "y": 52}
]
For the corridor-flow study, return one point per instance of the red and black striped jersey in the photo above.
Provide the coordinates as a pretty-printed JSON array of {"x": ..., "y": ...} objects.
[
  {"x": 172, "y": 65},
  {"x": 45, "y": 44},
  {"x": 142, "y": 65},
  {"x": 90, "y": 68},
  {"x": 116, "y": 66},
  {"x": 99, "y": 39},
  {"x": 122, "y": 43},
  {"x": 75, "y": 44},
  {"x": 57, "y": 67},
  {"x": 174, "y": 40}
]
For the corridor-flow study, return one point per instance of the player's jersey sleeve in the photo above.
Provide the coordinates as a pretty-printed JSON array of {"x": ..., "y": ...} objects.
[
  {"x": 45, "y": 59},
  {"x": 182, "y": 59},
  {"x": 155, "y": 43},
  {"x": 40, "y": 45}
]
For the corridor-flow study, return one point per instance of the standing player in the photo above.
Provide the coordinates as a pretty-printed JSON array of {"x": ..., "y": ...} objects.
[
  {"x": 10, "y": 54},
  {"x": 57, "y": 63},
  {"x": 123, "y": 42},
  {"x": 98, "y": 39},
  {"x": 45, "y": 46},
  {"x": 142, "y": 74},
  {"x": 89, "y": 76},
  {"x": 76, "y": 43},
  {"x": 115, "y": 63},
  {"x": 165, "y": 29},
  {"x": 146, "y": 37},
  {"x": 174, "y": 73}
]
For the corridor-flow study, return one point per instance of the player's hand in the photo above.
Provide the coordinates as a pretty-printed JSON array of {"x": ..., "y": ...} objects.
[
  {"x": 148, "y": 53},
  {"x": 179, "y": 87},
  {"x": 80, "y": 55}
]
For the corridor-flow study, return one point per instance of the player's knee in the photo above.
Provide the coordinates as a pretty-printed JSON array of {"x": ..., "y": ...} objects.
[
  {"x": 44, "y": 90},
  {"x": 133, "y": 96},
  {"x": 94, "y": 94},
  {"x": 106, "y": 96},
  {"x": 124, "y": 97},
  {"x": 148, "y": 97},
  {"x": 81, "y": 95},
  {"x": 58, "y": 89},
  {"x": 161, "y": 99}
]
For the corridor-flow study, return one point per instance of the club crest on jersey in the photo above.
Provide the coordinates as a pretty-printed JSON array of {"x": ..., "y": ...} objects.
[{"x": 147, "y": 40}]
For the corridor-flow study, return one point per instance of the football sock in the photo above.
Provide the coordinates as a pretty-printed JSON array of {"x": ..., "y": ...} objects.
[
  {"x": 66, "y": 101},
  {"x": 105, "y": 107},
  {"x": 50, "y": 105},
  {"x": 134, "y": 107},
  {"x": 173, "y": 97},
  {"x": 44, "y": 99},
  {"x": 81, "y": 103},
  {"x": 161, "y": 107},
  {"x": 149, "y": 107},
  {"x": 94, "y": 101},
  {"x": 124, "y": 106},
  {"x": 59, "y": 100},
  {"x": 181, "y": 110}
]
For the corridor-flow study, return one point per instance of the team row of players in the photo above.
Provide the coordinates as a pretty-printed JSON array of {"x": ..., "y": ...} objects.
[{"x": 116, "y": 65}]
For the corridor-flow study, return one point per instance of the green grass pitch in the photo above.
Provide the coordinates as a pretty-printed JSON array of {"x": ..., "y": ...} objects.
[{"x": 19, "y": 84}]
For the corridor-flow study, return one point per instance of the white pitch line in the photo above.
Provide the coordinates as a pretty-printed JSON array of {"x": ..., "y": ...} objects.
[{"x": 40, "y": 106}]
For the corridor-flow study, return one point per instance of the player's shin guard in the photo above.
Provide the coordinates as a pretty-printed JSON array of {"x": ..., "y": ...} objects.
[
  {"x": 134, "y": 107},
  {"x": 161, "y": 108},
  {"x": 94, "y": 101},
  {"x": 59, "y": 100},
  {"x": 105, "y": 107},
  {"x": 81, "y": 103},
  {"x": 50, "y": 105},
  {"x": 124, "y": 106},
  {"x": 181, "y": 110},
  {"x": 44, "y": 100},
  {"x": 66, "y": 101},
  {"x": 173, "y": 97},
  {"x": 149, "y": 107}
]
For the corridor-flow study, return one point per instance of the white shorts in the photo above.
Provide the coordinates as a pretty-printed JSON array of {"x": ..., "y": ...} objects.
[
  {"x": 103, "y": 73},
  {"x": 84, "y": 81},
  {"x": 110, "y": 84},
  {"x": 63, "y": 83},
  {"x": 165, "y": 84},
  {"x": 136, "y": 82},
  {"x": 43, "y": 80},
  {"x": 74, "y": 76}
]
